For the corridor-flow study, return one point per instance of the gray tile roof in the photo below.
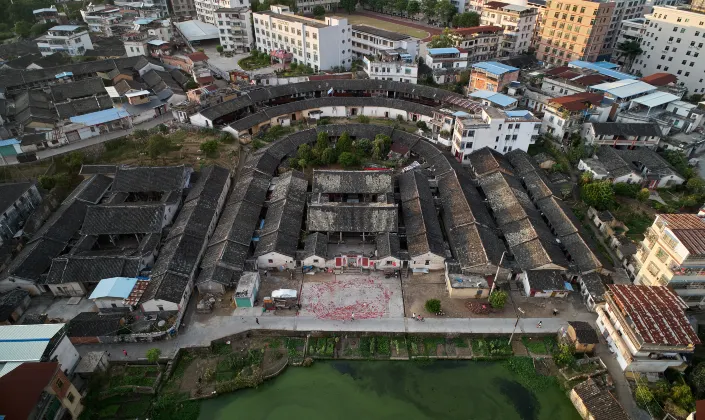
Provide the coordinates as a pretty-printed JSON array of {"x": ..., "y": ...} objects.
[
  {"x": 580, "y": 253},
  {"x": 537, "y": 253},
  {"x": 560, "y": 217},
  {"x": 74, "y": 90},
  {"x": 584, "y": 332},
  {"x": 474, "y": 245},
  {"x": 600, "y": 403},
  {"x": 351, "y": 217},
  {"x": 97, "y": 169},
  {"x": 10, "y": 301},
  {"x": 10, "y": 193},
  {"x": 420, "y": 219},
  {"x": 35, "y": 259},
  {"x": 539, "y": 186},
  {"x": 150, "y": 178},
  {"x": 219, "y": 274},
  {"x": 352, "y": 182},
  {"x": 506, "y": 198},
  {"x": 387, "y": 245},
  {"x": 540, "y": 280},
  {"x": 91, "y": 190},
  {"x": 83, "y": 106},
  {"x": 486, "y": 161},
  {"x": 522, "y": 162},
  {"x": 89, "y": 269},
  {"x": 315, "y": 244},
  {"x": 251, "y": 187},
  {"x": 167, "y": 286},
  {"x": 123, "y": 219},
  {"x": 627, "y": 129},
  {"x": 64, "y": 223},
  {"x": 613, "y": 162}
]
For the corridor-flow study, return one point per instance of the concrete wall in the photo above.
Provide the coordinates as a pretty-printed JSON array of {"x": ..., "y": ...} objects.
[
  {"x": 211, "y": 287},
  {"x": 66, "y": 354},
  {"x": 435, "y": 262},
  {"x": 67, "y": 289},
  {"x": 154, "y": 304},
  {"x": 317, "y": 261},
  {"x": 275, "y": 260},
  {"x": 15, "y": 283},
  {"x": 108, "y": 302}
]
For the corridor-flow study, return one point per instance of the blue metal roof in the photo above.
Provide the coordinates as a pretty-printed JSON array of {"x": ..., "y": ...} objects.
[
  {"x": 65, "y": 28},
  {"x": 9, "y": 142},
  {"x": 145, "y": 21},
  {"x": 117, "y": 287},
  {"x": 64, "y": 74},
  {"x": 601, "y": 69},
  {"x": 607, "y": 65},
  {"x": 100, "y": 117},
  {"x": 518, "y": 113},
  {"x": 494, "y": 97},
  {"x": 461, "y": 114},
  {"x": 434, "y": 51},
  {"x": 494, "y": 67}
]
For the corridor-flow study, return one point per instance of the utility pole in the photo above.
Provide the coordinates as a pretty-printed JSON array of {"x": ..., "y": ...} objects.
[
  {"x": 513, "y": 331},
  {"x": 494, "y": 283}
]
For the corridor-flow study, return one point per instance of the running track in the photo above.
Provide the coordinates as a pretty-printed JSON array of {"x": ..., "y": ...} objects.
[{"x": 432, "y": 30}]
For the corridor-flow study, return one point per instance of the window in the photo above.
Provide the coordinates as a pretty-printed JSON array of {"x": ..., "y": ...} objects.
[
  {"x": 653, "y": 269},
  {"x": 70, "y": 397},
  {"x": 160, "y": 307},
  {"x": 270, "y": 261},
  {"x": 428, "y": 262},
  {"x": 59, "y": 383},
  {"x": 661, "y": 255},
  {"x": 668, "y": 240},
  {"x": 315, "y": 261}
]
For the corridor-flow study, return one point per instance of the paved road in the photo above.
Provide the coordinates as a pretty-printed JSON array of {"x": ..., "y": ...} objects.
[
  {"x": 622, "y": 389},
  {"x": 48, "y": 153},
  {"x": 202, "y": 333}
]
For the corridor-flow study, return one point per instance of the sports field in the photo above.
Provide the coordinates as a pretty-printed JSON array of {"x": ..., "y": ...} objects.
[{"x": 355, "y": 19}]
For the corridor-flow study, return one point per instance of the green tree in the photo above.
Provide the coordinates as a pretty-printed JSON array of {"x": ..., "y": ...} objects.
[
  {"x": 210, "y": 147},
  {"x": 433, "y": 306},
  {"x": 630, "y": 50},
  {"x": 598, "y": 194},
  {"x": 498, "y": 299},
  {"x": 363, "y": 119},
  {"x": 73, "y": 161},
  {"x": 563, "y": 355},
  {"x": 328, "y": 156},
  {"x": 643, "y": 195},
  {"x": 47, "y": 182},
  {"x": 158, "y": 145},
  {"x": 585, "y": 178},
  {"x": 304, "y": 153},
  {"x": 191, "y": 84},
  {"x": 302, "y": 163},
  {"x": 348, "y": 5},
  {"x": 220, "y": 49},
  {"x": 39, "y": 28},
  {"x": 344, "y": 143},
  {"x": 363, "y": 147},
  {"x": 466, "y": 20},
  {"x": 153, "y": 355},
  {"x": 23, "y": 29},
  {"x": 643, "y": 396},
  {"x": 446, "y": 10},
  {"x": 422, "y": 125},
  {"x": 140, "y": 134},
  {"x": 697, "y": 377},
  {"x": 696, "y": 185},
  {"x": 626, "y": 190},
  {"x": 428, "y": 8},
  {"x": 347, "y": 159},
  {"x": 682, "y": 395},
  {"x": 322, "y": 142},
  {"x": 413, "y": 8},
  {"x": 401, "y": 5},
  {"x": 319, "y": 11},
  {"x": 444, "y": 40},
  {"x": 680, "y": 162}
]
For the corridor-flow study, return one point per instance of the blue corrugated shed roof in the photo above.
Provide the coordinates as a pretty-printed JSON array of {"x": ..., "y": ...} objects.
[
  {"x": 600, "y": 69},
  {"x": 145, "y": 21},
  {"x": 100, "y": 117},
  {"x": 450, "y": 50},
  {"x": 607, "y": 65},
  {"x": 494, "y": 67},
  {"x": 9, "y": 142},
  {"x": 518, "y": 113},
  {"x": 494, "y": 97},
  {"x": 117, "y": 287},
  {"x": 64, "y": 74}
]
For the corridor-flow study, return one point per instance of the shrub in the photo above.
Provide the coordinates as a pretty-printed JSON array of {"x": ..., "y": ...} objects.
[
  {"x": 348, "y": 160},
  {"x": 643, "y": 195},
  {"x": 433, "y": 306},
  {"x": 210, "y": 147},
  {"x": 47, "y": 182},
  {"x": 422, "y": 125},
  {"x": 141, "y": 134},
  {"x": 363, "y": 119},
  {"x": 219, "y": 48},
  {"x": 400, "y": 118},
  {"x": 153, "y": 355},
  {"x": 626, "y": 190},
  {"x": 563, "y": 355},
  {"x": 162, "y": 128},
  {"x": 498, "y": 299},
  {"x": 158, "y": 145}
]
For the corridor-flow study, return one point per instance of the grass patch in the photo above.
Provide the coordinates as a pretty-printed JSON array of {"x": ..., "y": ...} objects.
[
  {"x": 135, "y": 409},
  {"x": 430, "y": 345},
  {"x": 535, "y": 346},
  {"x": 636, "y": 221},
  {"x": 460, "y": 342},
  {"x": 354, "y": 19},
  {"x": 253, "y": 63},
  {"x": 109, "y": 411},
  {"x": 523, "y": 368},
  {"x": 133, "y": 376}
]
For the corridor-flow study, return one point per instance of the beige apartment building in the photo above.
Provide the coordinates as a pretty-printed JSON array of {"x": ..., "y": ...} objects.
[
  {"x": 673, "y": 254},
  {"x": 573, "y": 30}
]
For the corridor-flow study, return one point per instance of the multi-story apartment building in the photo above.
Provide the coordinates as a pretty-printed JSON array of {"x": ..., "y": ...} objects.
[
  {"x": 502, "y": 131},
  {"x": 481, "y": 42},
  {"x": 673, "y": 42},
  {"x": 103, "y": 19},
  {"x": 623, "y": 10},
  {"x": 70, "y": 39},
  {"x": 631, "y": 30},
  {"x": 183, "y": 8},
  {"x": 391, "y": 68},
  {"x": 19, "y": 201},
  {"x": 492, "y": 76},
  {"x": 205, "y": 9},
  {"x": 573, "y": 30},
  {"x": 673, "y": 254},
  {"x": 540, "y": 6},
  {"x": 518, "y": 23},
  {"x": 566, "y": 115},
  {"x": 235, "y": 29},
  {"x": 646, "y": 327},
  {"x": 319, "y": 44},
  {"x": 368, "y": 40},
  {"x": 49, "y": 15},
  {"x": 445, "y": 63}
]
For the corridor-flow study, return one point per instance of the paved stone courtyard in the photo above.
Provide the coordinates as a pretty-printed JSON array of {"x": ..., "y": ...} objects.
[{"x": 337, "y": 297}]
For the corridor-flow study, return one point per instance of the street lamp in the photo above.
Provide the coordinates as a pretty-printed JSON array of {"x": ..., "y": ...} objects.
[{"x": 497, "y": 273}]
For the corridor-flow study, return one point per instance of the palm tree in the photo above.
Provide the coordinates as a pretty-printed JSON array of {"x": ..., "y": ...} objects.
[{"x": 630, "y": 50}]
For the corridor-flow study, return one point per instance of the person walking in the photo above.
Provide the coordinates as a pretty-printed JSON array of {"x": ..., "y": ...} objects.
[
  {"x": 257, "y": 321},
  {"x": 352, "y": 316},
  {"x": 540, "y": 324},
  {"x": 413, "y": 315},
  {"x": 124, "y": 352}
]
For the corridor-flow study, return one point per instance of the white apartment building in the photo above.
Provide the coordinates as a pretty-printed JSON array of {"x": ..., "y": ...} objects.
[
  {"x": 183, "y": 8},
  {"x": 235, "y": 29},
  {"x": 631, "y": 30},
  {"x": 502, "y": 131},
  {"x": 673, "y": 254},
  {"x": 623, "y": 10},
  {"x": 446, "y": 62},
  {"x": 397, "y": 70},
  {"x": 646, "y": 327},
  {"x": 518, "y": 23},
  {"x": 368, "y": 40},
  {"x": 319, "y": 44},
  {"x": 70, "y": 39},
  {"x": 673, "y": 42},
  {"x": 205, "y": 9},
  {"x": 102, "y": 19}
]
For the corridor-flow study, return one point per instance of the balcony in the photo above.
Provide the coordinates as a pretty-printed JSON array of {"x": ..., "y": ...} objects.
[{"x": 680, "y": 271}]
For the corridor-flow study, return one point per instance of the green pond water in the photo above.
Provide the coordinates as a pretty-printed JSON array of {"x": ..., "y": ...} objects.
[{"x": 393, "y": 390}]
